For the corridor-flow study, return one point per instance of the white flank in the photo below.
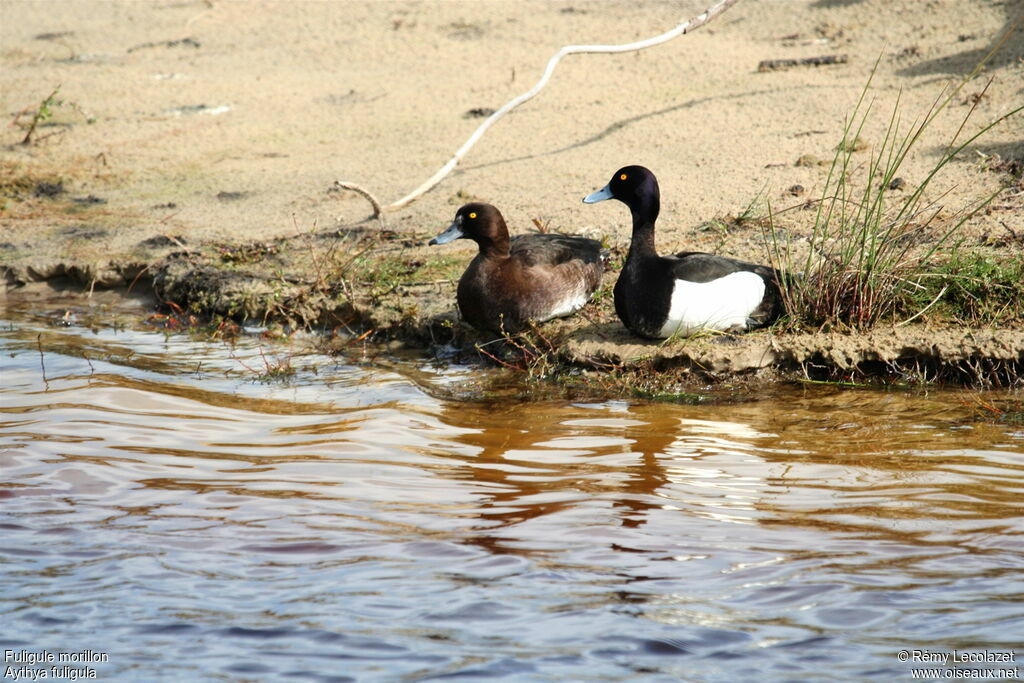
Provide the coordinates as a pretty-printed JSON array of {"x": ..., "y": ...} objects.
[
  {"x": 721, "y": 304},
  {"x": 568, "y": 306}
]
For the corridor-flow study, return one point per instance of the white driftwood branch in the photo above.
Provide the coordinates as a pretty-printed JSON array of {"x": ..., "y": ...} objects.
[
  {"x": 685, "y": 27},
  {"x": 341, "y": 184}
]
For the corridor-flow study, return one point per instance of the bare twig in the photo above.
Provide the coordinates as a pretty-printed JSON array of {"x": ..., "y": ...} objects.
[
  {"x": 231, "y": 354},
  {"x": 918, "y": 314},
  {"x": 136, "y": 278},
  {"x": 685, "y": 27},
  {"x": 365, "y": 193},
  {"x": 43, "y": 113},
  {"x": 481, "y": 349},
  {"x": 178, "y": 242},
  {"x": 780, "y": 64},
  {"x": 42, "y": 362}
]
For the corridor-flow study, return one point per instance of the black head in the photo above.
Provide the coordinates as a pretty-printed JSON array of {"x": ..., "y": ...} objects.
[
  {"x": 630, "y": 185},
  {"x": 479, "y": 222}
]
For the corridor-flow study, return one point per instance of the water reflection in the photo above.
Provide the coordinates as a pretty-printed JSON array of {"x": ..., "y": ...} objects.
[{"x": 351, "y": 523}]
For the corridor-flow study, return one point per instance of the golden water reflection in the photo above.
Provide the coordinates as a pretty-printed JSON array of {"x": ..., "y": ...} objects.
[{"x": 357, "y": 512}]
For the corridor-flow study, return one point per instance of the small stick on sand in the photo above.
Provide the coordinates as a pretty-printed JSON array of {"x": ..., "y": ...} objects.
[
  {"x": 781, "y": 64},
  {"x": 366, "y": 193},
  {"x": 685, "y": 27}
]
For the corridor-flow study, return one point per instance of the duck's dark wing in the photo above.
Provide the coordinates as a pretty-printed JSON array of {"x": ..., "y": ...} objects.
[
  {"x": 697, "y": 266},
  {"x": 554, "y": 249}
]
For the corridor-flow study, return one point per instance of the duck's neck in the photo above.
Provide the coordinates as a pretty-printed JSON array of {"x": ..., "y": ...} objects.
[
  {"x": 644, "y": 208},
  {"x": 496, "y": 244}
]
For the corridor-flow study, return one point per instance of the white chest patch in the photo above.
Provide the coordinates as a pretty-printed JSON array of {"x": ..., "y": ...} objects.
[{"x": 721, "y": 304}]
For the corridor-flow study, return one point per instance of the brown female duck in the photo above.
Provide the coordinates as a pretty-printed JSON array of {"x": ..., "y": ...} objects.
[{"x": 512, "y": 281}]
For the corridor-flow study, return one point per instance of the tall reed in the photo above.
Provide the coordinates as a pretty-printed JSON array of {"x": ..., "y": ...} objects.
[{"x": 869, "y": 249}]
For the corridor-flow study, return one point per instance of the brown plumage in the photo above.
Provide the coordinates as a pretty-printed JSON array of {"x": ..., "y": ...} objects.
[{"x": 527, "y": 277}]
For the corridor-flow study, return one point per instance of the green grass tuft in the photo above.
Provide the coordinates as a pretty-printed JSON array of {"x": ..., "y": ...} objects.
[
  {"x": 976, "y": 288},
  {"x": 873, "y": 255}
]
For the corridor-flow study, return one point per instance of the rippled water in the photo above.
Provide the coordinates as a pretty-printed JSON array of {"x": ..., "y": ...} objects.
[{"x": 162, "y": 509}]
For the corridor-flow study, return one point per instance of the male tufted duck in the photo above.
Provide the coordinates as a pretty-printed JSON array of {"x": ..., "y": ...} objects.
[
  {"x": 661, "y": 296},
  {"x": 528, "y": 277}
]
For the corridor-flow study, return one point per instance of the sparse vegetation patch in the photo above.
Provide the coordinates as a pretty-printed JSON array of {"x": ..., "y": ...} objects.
[{"x": 874, "y": 249}]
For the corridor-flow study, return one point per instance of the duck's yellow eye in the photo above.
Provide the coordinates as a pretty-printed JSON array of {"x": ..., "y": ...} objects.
[
  {"x": 623, "y": 176},
  {"x": 472, "y": 214}
]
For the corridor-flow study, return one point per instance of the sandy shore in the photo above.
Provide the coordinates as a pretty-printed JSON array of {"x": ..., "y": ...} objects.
[{"x": 186, "y": 126}]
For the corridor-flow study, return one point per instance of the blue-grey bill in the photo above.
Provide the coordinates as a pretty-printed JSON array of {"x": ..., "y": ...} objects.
[
  {"x": 453, "y": 232},
  {"x": 599, "y": 196}
]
